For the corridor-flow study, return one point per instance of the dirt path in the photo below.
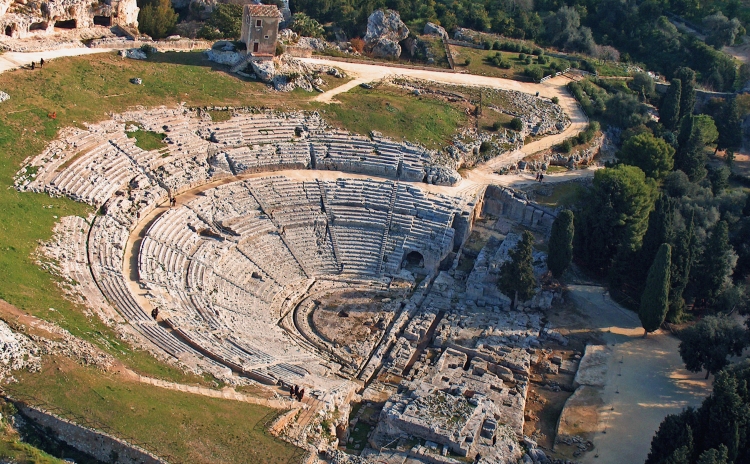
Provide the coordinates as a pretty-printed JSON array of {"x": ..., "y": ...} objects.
[
  {"x": 13, "y": 60},
  {"x": 646, "y": 379}
]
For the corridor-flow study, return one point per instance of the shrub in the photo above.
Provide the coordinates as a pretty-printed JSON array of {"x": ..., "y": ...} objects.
[
  {"x": 555, "y": 100},
  {"x": 521, "y": 56},
  {"x": 566, "y": 146},
  {"x": 538, "y": 52},
  {"x": 485, "y": 147},
  {"x": 148, "y": 49},
  {"x": 528, "y": 60},
  {"x": 358, "y": 44},
  {"x": 496, "y": 46},
  {"x": 467, "y": 61},
  {"x": 516, "y": 124},
  {"x": 496, "y": 126},
  {"x": 157, "y": 19},
  {"x": 534, "y": 73},
  {"x": 306, "y": 26},
  {"x": 225, "y": 22}
]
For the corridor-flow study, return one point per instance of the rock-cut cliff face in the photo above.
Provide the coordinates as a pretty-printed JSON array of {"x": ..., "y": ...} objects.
[{"x": 22, "y": 18}]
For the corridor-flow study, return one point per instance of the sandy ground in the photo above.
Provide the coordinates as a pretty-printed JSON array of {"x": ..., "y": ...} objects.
[
  {"x": 13, "y": 60},
  {"x": 646, "y": 379}
]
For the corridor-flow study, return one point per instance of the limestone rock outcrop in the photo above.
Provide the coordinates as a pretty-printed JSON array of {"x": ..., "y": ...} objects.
[
  {"x": 384, "y": 32},
  {"x": 20, "y": 18},
  {"x": 434, "y": 29}
]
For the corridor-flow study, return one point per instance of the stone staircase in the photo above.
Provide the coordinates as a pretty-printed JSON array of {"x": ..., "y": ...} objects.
[{"x": 388, "y": 220}]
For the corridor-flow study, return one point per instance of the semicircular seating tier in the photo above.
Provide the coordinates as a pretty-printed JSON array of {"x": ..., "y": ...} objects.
[{"x": 224, "y": 267}]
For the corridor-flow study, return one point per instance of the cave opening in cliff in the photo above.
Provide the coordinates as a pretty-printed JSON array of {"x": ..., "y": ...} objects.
[
  {"x": 68, "y": 24},
  {"x": 38, "y": 27},
  {"x": 9, "y": 31},
  {"x": 103, "y": 21}
]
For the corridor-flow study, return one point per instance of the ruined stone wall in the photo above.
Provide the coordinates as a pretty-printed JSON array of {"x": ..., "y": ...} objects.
[
  {"x": 500, "y": 201},
  {"x": 100, "y": 445}
]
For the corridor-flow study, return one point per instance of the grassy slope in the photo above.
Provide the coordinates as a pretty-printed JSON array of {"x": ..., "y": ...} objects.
[
  {"x": 397, "y": 114},
  {"x": 185, "y": 427}
]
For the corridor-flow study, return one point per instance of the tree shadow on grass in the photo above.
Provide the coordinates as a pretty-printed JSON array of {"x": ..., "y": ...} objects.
[{"x": 194, "y": 58}]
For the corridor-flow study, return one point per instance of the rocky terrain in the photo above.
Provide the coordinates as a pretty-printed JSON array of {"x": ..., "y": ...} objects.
[{"x": 20, "y": 18}]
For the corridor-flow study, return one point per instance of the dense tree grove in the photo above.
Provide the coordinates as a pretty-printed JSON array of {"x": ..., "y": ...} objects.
[
  {"x": 718, "y": 429},
  {"x": 607, "y": 29},
  {"x": 708, "y": 344},
  {"x": 225, "y": 22}
]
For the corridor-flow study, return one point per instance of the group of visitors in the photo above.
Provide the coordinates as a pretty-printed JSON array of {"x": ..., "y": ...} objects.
[
  {"x": 539, "y": 176},
  {"x": 296, "y": 392},
  {"x": 41, "y": 64}
]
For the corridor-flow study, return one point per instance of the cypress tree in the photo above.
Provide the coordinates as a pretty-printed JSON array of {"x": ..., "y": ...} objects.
[
  {"x": 682, "y": 262},
  {"x": 655, "y": 298},
  {"x": 690, "y": 157},
  {"x": 715, "y": 265},
  {"x": 729, "y": 125},
  {"x": 687, "y": 96},
  {"x": 517, "y": 274},
  {"x": 561, "y": 244},
  {"x": 669, "y": 113}
]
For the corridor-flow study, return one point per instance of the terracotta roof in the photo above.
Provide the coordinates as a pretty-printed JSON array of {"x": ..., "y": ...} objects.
[{"x": 263, "y": 11}]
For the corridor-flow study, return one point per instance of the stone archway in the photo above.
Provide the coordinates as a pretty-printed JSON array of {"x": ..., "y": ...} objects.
[{"x": 413, "y": 260}]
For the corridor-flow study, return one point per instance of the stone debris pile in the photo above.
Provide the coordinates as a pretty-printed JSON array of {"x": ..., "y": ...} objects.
[
  {"x": 16, "y": 352},
  {"x": 4, "y": 96}
]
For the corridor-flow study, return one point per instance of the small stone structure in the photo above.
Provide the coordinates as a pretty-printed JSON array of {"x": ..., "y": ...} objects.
[{"x": 260, "y": 29}]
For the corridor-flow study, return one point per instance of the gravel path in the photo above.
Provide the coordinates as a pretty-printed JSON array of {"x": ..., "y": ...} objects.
[{"x": 646, "y": 380}]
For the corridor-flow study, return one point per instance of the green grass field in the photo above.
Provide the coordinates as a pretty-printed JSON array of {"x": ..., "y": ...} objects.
[
  {"x": 480, "y": 66},
  {"x": 147, "y": 140},
  {"x": 186, "y": 427},
  {"x": 397, "y": 114}
]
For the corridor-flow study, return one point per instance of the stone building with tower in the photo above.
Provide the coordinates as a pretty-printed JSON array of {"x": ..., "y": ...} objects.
[{"x": 260, "y": 29}]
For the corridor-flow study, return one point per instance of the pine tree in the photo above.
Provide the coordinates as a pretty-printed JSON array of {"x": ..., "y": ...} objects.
[
  {"x": 715, "y": 265},
  {"x": 561, "y": 244},
  {"x": 669, "y": 113},
  {"x": 714, "y": 456},
  {"x": 157, "y": 18},
  {"x": 517, "y": 274},
  {"x": 708, "y": 344},
  {"x": 655, "y": 299},
  {"x": 687, "y": 96}
]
